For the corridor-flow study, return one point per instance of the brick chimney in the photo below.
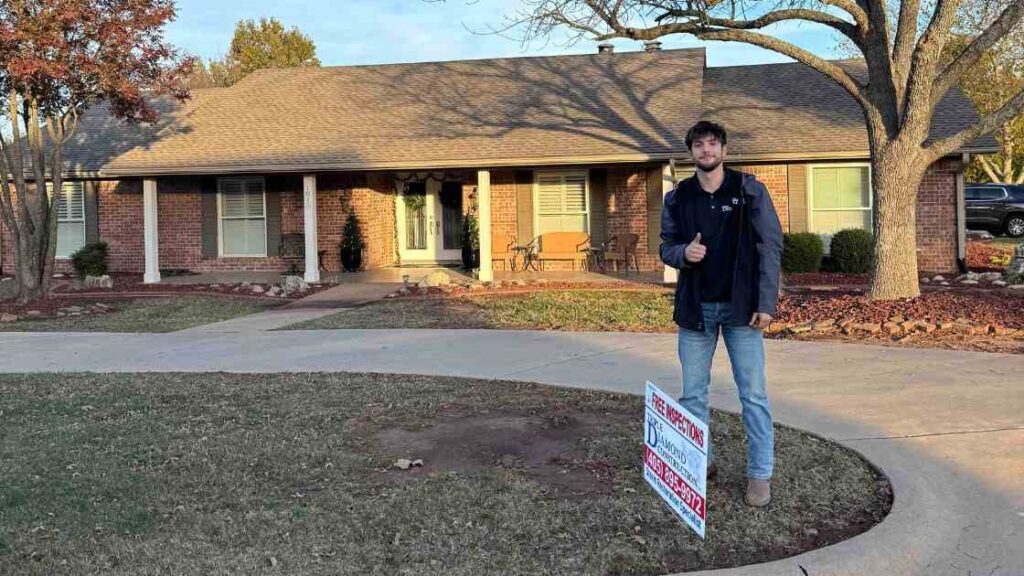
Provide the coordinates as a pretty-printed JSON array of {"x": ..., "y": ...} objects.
[
  {"x": 606, "y": 48},
  {"x": 652, "y": 46}
]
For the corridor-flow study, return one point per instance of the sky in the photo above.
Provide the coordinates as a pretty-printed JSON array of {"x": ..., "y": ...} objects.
[{"x": 353, "y": 32}]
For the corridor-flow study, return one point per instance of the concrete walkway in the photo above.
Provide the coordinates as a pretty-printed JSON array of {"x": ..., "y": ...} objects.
[
  {"x": 947, "y": 427},
  {"x": 312, "y": 307}
]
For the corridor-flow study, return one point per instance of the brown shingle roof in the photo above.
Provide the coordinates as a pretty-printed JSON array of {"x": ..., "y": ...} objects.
[
  {"x": 502, "y": 112},
  {"x": 779, "y": 109},
  {"x": 437, "y": 114}
]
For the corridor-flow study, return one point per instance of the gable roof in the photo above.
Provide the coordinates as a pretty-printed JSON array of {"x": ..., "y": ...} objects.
[
  {"x": 779, "y": 110},
  {"x": 439, "y": 114},
  {"x": 625, "y": 107}
]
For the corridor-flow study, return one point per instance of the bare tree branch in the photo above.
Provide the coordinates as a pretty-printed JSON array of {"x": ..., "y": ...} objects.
[
  {"x": 986, "y": 125},
  {"x": 1010, "y": 17},
  {"x": 826, "y": 67},
  {"x": 926, "y": 58}
]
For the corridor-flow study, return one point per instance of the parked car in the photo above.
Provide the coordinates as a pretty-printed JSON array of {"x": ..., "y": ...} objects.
[{"x": 996, "y": 208}]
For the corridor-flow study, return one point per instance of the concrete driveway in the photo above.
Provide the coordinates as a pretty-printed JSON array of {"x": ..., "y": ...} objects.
[{"x": 946, "y": 426}]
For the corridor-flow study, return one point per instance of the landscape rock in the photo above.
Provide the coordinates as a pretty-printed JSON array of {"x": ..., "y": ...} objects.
[
  {"x": 969, "y": 282},
  {"x": 979, "y": 235},
  {"x": 295, "y": 284},
  {"x": 892, "y": 328},
  {"x": 257, "y": 289},
  {"x": 403, "y": 464},
  {"x": 434, "y": 279},
  {"x": 939, "y": 278},
  {"x": 825, "y": 325},
  {"x": 476, "y": 286},
  {"x": 104, "y": 282},
  {"x": 968, "y": 276},
  {"x": 999, "y": 283},
  {"x": 33, "y": 313},
  {"x": 5, "y": 317},
  {"x": 1017, "y": 261},
  {"x": 799, "y": 328},
  {"x": 990, "y": 276}
]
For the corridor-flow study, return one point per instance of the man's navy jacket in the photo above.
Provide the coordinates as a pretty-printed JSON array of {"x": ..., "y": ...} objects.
[{"x": 755, "y": 285}]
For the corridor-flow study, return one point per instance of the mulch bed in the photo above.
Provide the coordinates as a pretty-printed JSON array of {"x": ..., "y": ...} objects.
[
  {"x": 132, "y": 283},
  {"x": 980, "y": 254},
  {"x": 975, "y": 306},
  {"x": 826, "y": 279}
]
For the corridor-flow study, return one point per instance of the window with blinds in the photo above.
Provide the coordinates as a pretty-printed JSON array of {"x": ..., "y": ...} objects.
[
  {"x": 70, "y": 218},
  {"x": 561, "y": 202},
  {"x": 840, "y": 198},
  {"x": 243, "y": 219}
]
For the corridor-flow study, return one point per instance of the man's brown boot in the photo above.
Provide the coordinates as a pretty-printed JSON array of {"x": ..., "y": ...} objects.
[{"x": 759, "y": 492}]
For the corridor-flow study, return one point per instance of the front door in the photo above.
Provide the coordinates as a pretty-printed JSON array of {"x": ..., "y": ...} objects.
[{"x": 430, "y": 222}]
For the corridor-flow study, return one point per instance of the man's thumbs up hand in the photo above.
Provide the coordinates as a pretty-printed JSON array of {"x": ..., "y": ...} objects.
[{"x": 695, "y": 251}]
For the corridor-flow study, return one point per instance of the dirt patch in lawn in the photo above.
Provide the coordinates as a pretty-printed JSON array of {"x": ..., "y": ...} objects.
[{"x": 548, "y": 449}]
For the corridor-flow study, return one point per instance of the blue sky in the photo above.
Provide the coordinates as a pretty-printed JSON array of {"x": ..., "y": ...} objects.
[{"x": 350, "y": 32}]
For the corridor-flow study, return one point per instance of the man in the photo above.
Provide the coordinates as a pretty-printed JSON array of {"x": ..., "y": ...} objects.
[{"x": 720, "y": 230}]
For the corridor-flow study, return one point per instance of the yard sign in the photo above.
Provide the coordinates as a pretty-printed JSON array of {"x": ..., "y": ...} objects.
[{"x": 676, "y": 457}]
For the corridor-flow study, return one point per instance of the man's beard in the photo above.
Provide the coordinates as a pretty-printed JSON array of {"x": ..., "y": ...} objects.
[{"x": 708, "y": 167}]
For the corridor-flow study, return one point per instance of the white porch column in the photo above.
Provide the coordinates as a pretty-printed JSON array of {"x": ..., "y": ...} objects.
[
  {"x": 668, "y": 182},
  {"x": 483, "y": 200},
  {"x": 150, "y": 232},
  {"x": 309, "y": 228}
]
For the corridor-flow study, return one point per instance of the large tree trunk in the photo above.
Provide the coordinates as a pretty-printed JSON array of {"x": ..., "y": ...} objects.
[{"x": 895, "y": 177}]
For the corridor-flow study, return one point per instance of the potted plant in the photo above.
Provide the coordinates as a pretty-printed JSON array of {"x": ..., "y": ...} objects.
[
  {"x": 351, "y": 244},
  {"x": 470, "y": 242}
]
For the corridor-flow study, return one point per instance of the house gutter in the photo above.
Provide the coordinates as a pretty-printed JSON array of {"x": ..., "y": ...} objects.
[{"x": 961, "y": 215}]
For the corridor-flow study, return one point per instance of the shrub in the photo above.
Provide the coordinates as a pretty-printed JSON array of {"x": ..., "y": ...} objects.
[
  {"x": 352, "y": 234},
  {"x": 802, "y": 252},
  {"x": 90, "y": 260},
  {"x": 853, "y": 251},
  {"x": 470, "y": 232}
]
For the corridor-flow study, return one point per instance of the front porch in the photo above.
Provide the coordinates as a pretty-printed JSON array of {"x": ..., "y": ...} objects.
[
  {"x": 414, "y": 274},
  {"x": 226, "y": 228}
]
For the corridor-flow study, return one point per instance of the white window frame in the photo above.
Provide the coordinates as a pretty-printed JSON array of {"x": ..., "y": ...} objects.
[
  {"x": 220, "y": 217},
  {"x": 64, "y": 185},
  {"x": 538, "y": 174},
  {"x": 810, "y": 192}
]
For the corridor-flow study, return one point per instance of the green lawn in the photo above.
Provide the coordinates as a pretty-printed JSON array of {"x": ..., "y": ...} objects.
[
  {"x": 290, "y": 474},
  {"x": 571, "y": 310},
  {"x": 148, "y": 315}
]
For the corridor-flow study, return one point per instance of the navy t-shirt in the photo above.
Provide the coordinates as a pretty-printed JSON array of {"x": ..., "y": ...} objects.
[{"x": 714, "y": 217}]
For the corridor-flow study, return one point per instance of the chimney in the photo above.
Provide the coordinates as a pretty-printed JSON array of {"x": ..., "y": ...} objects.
[
  {"x": 652, "y": 46},
  {"x": 606, "y": 48}
]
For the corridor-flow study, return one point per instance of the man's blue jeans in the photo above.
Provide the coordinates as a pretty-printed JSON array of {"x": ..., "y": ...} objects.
[{"x": 746, "y": 354}]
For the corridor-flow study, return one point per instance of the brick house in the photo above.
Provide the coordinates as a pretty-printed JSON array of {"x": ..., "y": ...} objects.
[{"x": 584, "y": 143}]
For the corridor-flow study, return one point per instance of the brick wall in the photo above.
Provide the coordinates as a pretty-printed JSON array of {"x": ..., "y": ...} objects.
[
  {"x": 936, "y": 218},
  {"x": 775, "y": 177},
  {"x": 503, "y": 202},
  {"x": 627, "y": 209}
]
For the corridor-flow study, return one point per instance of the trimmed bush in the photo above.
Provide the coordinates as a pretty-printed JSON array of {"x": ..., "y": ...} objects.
[
  {"x": 802, "y": 252},
  {"x": 90, "y": 260},
  {"x": 853, "y": 251}
]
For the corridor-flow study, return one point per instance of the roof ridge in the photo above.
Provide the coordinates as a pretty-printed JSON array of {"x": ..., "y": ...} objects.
[{"x": 636, "y": 53}]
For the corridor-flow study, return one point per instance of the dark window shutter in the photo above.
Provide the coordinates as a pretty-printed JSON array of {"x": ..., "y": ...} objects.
[
  {"x": 208, "y": 189},
  {"x": 797, "y": 181},
  {"x": 92, "y": 212},
  {"x": 598, "y": 206},
  {"x": 524, "y": 206},
  {"x": 655, "y": 200},
  {"x": 273, "y": 222}
]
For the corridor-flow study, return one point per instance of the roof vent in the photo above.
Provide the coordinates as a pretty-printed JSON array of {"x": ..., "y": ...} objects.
[
  {"x": 652, "y": 46},
  {"x": 606, "y": 48}
]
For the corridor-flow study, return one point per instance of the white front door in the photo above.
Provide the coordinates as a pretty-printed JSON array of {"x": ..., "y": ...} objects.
[{"x": 429, "y": 222}]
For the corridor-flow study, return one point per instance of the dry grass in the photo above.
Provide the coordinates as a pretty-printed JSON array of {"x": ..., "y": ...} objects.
[{"x": 284, "y": 474}]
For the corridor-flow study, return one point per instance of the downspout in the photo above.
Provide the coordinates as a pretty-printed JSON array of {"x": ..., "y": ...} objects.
[{"x": 961, "y": 216}]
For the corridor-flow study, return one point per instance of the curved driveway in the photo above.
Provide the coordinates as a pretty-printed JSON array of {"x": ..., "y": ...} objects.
[{"x": 946, "y": 426}]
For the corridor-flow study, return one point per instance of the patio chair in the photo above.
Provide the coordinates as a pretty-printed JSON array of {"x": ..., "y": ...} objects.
[
  {"x": 501, "y": 248},
  {"x": 292, "y": 249},
  {"x": 622, "y": 248},
  {"x": 571, "y": 246}
]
